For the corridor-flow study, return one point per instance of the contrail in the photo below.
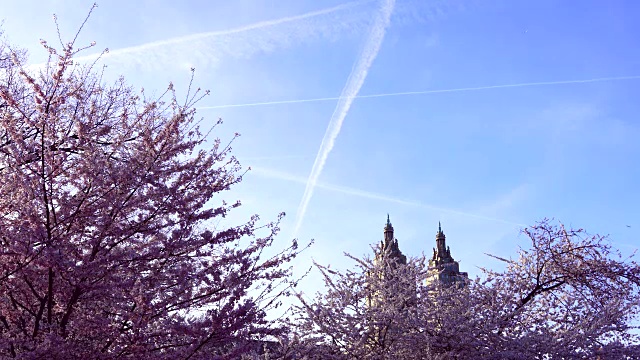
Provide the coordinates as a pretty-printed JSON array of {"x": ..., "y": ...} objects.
[
  {"x": 259, "y": 25},
  {"x": 281, "y": 157},
  {"x": 349, "y": 92},
  {"x": 425, "y": 92},
  {"x": 241, "y": 41},
  {"x": 374, "y": 196}
]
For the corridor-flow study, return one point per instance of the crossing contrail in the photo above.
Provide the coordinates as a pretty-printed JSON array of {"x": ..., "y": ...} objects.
[
  {"x": 426, "y": 92},
  {"x": 265, "y": 172},
  {"x": 349, "y": 92}
]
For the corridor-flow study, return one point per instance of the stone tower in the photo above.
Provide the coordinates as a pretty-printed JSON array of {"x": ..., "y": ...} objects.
[
  {"x": 442, "y": 266},
  {"x": 388, "y": 256},
  {"x": 389, "y": 246}
]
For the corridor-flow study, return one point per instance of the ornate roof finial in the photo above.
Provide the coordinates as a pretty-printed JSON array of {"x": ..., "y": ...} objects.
[
  {"x": 440, "y": 234},
  {"x": 388, "y": 226}
]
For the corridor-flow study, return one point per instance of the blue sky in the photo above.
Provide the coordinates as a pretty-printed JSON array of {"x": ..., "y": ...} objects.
[{"x": 484, "y": 162}]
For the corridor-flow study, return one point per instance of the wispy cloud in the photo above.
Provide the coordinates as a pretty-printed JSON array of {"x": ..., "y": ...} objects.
[
  {"x": 426, "y": 92},
  {"x": 244, "y": 41},
  {"x": 349, "y": 92},
  {"x": 506, "y": 202},
  {"x": 270, "y": 173}
]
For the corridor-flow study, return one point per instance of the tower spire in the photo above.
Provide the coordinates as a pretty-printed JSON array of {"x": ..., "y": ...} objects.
[
  {"x": 442, "y": 265},
  {"x": 390, "y": 244},
  {"x": 441, "y": 241},
  {"x": 388, "y": 231}
]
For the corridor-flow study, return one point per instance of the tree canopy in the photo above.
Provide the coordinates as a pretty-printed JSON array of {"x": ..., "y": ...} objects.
[{"x": 108, "y": 248}]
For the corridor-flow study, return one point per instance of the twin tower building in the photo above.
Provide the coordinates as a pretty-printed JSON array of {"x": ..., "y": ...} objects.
[{"x": 442, "y": 266}]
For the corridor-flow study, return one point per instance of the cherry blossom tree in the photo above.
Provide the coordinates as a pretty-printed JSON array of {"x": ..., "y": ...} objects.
[
  {"x": 569, "y": 296},
  {"x": 371, "y": 312},
  {"x": 110, "y": 241}
]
